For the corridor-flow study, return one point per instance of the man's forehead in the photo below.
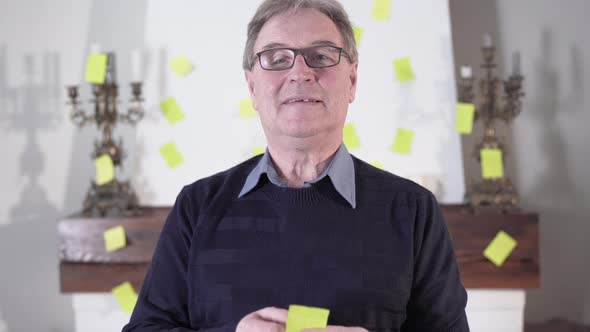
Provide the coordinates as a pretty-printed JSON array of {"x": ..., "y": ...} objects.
[{"x": 304, "y": 28}]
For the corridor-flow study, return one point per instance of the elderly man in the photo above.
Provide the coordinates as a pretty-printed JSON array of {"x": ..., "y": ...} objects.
[{"x": 306, "y": 223}]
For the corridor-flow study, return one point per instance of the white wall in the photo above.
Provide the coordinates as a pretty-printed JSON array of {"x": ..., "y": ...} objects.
[
  {"x": 550, "y": 138},
  {"x": 213, "y": 132}
]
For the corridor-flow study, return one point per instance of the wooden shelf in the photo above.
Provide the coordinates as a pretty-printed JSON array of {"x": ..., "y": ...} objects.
[{"x": 86, "y": 267}]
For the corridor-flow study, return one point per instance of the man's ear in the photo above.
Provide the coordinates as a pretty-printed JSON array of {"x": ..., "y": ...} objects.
[
  {"x": 250, "y": 81},
  {"x": 353, "y": 79}
]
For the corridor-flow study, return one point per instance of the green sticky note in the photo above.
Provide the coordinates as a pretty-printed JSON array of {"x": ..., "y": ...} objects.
[
  {"x": 403, "y": 70},
  {"x": 258, "y": 150},
  {"x": 351, "y": 139},
  {"x": 403, "y": 141},
  {"x": 381, "y": 9},
  {"x": 171, "y": 154},
  {"x": 105, "y": 169},
  {"x": 500, "y": 248},
  {"x": 302, "y": 317},
  {"x": 247, "y": 110},
  {"x": 126, "y": 296},
  {"x": 96, "y": 68},
  {"x": 358, "y": 34},
  {"x": 171, "y": 110},
  {"x": 181, "y": 65},
  {"x": 492, "y": 166},
  {"x": 114, "y": 238},
  {"x": 464, "y": 118},
  {"x": 377, "y": 164}
]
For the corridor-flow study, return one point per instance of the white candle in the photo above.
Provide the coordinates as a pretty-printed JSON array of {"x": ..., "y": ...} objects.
[
  {"x": 516, "y": 63},
  {"x": 487, "y": 41},
  {"x": 466, "y": 72},
  {"x": 136, "y": 65}
]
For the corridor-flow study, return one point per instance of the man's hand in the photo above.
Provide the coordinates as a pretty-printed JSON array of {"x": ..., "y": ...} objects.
[{"x": 271, "y": 319}]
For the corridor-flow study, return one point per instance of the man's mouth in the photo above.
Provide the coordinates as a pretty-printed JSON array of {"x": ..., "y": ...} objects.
[{"x": 302, "y": 100}]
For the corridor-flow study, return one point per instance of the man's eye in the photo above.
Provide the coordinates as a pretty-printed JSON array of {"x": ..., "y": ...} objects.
[
  {"x": 321, "y": 57},
  {"x": 279, "y": 60}
]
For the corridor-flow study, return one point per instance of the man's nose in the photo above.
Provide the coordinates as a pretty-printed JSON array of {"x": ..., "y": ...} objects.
[{"x": 300, "y": 71}]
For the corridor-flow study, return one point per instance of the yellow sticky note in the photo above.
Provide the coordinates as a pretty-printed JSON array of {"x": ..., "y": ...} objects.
[
  {"x": 377, "y": 164},
  {"x": 126, "y": 296},
  {"x": 403, "y": 141},
  {"x": 302, "y": 317},
  {"x": 492, "y": 166},
  {"x": 171, "y": 110},
  {"x": 181, "y": 65},
  {"x": 358, "y": 34},
  {"x": 350, "y": 138},
  {"x": 247, "y": 110},
  {"x": 381, "y": 9},
  {"x": 258, "y": 150},
  {"x": 171, "y": 154},
  {"x": 96, "y": 68},
  {"x": 114, "y": 238},
  {"x": 105, "y": 169},
  {"x": 403, "y": 69},
  {"x": 464, "y": 118},
  {"x": 500, "y": 248}
]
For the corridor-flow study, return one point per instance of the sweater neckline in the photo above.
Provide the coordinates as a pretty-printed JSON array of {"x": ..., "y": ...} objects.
[{"x": 316, "y": 193}]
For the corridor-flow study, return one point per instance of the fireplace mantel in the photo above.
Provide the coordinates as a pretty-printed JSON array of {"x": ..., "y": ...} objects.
[{"x": 85, "y": 266}]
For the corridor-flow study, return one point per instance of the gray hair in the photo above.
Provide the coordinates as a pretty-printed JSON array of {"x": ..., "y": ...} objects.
[{"x": 271, "y": 8}]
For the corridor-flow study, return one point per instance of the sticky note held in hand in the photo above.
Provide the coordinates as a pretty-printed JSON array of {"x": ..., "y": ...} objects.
[
  {"x": 403, "y": 141},
  {"x": 350, "y": 138},
  {"x": 247, "y": 110},
  {"x": 105, "y": 169},
  {"x": 492, "y": 166},
  {"x": 114, "y": 238},
  {"x": 181, "y": 65},
  {"x": 464, "y": 118},
  {"x": 381, "y": 9},
  {"x": 171, "y": 110},
  {"x": 126, "y": 296},
  {"x": 403, "y": 69},
  {"x": 96, "y": 68},
  {"x": 171, "y": 155},
  {"x": 500, "y": 248},
  {"x": 302, "y": 317}
]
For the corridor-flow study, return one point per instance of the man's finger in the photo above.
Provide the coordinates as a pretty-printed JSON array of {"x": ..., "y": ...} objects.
[{"x": 273, "y": 314}]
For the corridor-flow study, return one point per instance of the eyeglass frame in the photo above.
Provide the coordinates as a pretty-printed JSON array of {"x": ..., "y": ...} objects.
[{"x": 300, "y": 51}]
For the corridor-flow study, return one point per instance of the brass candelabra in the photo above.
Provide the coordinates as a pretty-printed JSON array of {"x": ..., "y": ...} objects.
[
  {"x": 492, "y": 106},
  {"x": 116, "y": 196}
]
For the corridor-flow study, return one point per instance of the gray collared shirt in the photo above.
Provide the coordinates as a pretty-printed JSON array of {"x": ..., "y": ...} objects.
[{"x": 340, "y": 170}]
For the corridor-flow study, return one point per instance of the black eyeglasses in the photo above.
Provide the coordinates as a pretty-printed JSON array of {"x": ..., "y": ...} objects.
[{"x": 284, "y": 58}]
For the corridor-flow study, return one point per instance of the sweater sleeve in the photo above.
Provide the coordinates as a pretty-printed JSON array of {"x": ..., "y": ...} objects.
[
  {"x": 162, "y": 303},
  {"x": 438, "y": 299}
]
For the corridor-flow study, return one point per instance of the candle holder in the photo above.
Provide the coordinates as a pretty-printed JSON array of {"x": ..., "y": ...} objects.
[
  {"x": 497, "y": 192},
  {"x": 116, "y": 196}
]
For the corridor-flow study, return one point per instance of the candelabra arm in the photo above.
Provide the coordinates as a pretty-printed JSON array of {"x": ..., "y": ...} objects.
[
  {"x": 78, "y": 115},
  {"x": 136, "y": 111}
]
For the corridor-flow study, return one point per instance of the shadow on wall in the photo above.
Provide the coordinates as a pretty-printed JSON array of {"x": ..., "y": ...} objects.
[
  {"x": 30, "y": 281},
  {"x": 558, "y": 192}
]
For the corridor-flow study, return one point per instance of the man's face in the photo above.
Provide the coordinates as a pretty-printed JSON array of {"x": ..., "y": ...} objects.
[{"x": 277, "y": 95}]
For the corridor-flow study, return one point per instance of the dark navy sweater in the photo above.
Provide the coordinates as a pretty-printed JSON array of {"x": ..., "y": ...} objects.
[{"x": 387, "y": 265}]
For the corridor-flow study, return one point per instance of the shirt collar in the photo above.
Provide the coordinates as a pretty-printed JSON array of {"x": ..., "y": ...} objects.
[{"x": 340, "y": 170}]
